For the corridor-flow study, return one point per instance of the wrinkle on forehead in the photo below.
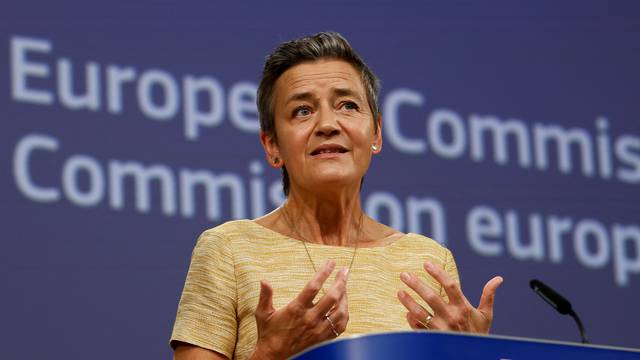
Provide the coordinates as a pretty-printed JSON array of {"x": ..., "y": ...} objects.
[
  {"x": 323, "y": 71},
  {"x": 329, "y": 76}
]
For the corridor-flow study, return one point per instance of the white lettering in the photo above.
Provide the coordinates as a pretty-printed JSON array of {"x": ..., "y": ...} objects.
[
  {"x": 563, "y": 140},
  {"x": 142, "y": 177},
  {"x": 590, "y": 229},
  {"x": 604, "y": 148},
  {"x": 482, "y": 222},
  {"x": 417, "y": 207},
  {"x": 500, "y": 130},
  {"x": 625, "y": 147},
  {"x": 257, "y": 185},
  {"x": 243, "y": 111},
  {"x": 75, "y": 165},
  {"x": 21, "y": 69},
  {"x": 442, "y": 119},
  {"x": 150, "y": 79},
  {"x": 116, "y": 76},
  {"x": 556, "y": 227},
  {"x": 91, "y": 98},
  {"x": 212, "y": 184},
  {"x": 21, "y": 162},
  {"x": 194, "y": 116},
  {"x": 378, "y": 201},
  {"x": 623, "y": 264},
  {"x": 535, "y": 249},
  {"x": 391, "y": 120}
]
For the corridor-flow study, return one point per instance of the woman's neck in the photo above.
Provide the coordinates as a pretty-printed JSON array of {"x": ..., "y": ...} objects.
[{"x": 330, "y": 220}]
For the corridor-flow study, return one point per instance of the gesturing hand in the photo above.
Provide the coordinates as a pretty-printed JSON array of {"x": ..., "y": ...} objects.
[
  {"x": 458, "y": 314},
  {"x": 300, "y": 324}
]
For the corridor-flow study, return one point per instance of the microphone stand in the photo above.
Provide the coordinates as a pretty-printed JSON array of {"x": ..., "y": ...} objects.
[
  {"x": 558, "y": 302},
  {"x": 575, "y": 317}
]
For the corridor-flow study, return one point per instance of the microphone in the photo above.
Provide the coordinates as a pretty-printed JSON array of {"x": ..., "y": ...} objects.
[{"x": 558, "y": 302}]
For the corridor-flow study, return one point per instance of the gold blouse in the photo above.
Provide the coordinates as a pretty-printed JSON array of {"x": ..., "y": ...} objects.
[{"x": 222, "y": 288}]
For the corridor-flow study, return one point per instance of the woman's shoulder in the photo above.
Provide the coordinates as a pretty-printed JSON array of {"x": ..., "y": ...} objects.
[
  {"x": 243, "y": 241},
  {"x": 229, "y": 228},
  {"x": 401, "y": 240},
  {"x": 421, "y": 244},
  {"x": 415, "y": 238},
  {"x": 237, "y": 232}
]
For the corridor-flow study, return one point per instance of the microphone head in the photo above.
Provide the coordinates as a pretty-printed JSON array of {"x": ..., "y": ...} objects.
[{"x": 551, "y": 297}]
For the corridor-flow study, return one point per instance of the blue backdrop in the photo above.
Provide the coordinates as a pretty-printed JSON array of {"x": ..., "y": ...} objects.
[{"x": 511, "y": 134}]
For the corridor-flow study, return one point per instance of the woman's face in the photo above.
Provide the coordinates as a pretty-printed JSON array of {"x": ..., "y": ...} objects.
[{"x": 324, "y": 125}]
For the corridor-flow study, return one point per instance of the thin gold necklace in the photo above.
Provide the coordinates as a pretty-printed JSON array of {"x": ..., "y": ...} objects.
[{"x": 304, "y": 241}]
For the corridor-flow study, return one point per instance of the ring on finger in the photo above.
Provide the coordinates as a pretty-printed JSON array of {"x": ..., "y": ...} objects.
[
  {"x": 333, "y": 327},
  {"x": 427, "y": 321}
]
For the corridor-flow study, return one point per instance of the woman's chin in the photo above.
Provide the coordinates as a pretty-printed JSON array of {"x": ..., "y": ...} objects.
[{"x": 335, "y": 178}]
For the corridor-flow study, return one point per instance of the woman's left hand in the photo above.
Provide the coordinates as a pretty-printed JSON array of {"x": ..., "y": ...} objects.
[{"x": 458, "y": 314}]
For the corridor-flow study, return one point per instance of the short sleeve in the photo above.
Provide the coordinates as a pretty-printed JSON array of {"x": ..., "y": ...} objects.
[{"x": 206, "y": 314}]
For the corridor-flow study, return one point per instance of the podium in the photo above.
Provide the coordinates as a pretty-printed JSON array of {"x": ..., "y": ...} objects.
[{"x": 448, "y": 345}]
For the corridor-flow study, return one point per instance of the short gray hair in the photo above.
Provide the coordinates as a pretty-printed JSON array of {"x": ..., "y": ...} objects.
[{"x": 309, "y": 48}]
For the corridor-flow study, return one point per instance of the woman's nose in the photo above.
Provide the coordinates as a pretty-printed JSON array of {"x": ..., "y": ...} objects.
[{"x": 327, "y": 123}]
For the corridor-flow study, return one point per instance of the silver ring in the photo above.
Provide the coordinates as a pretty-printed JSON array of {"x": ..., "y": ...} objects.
[
  {"x": 427, "y": 321},
  {"x": 333, "y": 327}
]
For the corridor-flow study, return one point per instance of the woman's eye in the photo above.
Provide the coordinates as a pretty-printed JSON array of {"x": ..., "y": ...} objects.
[
  {"x": 350, "y": 105},
  {"x": 302, "y": 111}
]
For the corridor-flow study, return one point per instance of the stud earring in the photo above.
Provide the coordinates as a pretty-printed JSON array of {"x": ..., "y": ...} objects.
[
  {"x": 276, "y": 160},
  {"x": 374, "y": 148}
]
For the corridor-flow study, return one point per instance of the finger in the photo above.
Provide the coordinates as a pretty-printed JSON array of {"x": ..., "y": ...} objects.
[
  {"x": 265, "y": 302},
  {"x": 426, "y": 293},
  {"x": 449, "y": 285},
  {"x": 423, "y": 324},
  {"x": 314, "y": 285},
  {"x": 335, "y": 295},
  {"x": 330, "y": 330},
  {"x": 415, "y": 310},
  {"x": 334, "y": 316},
  {"x": 414, "y": 322},
  {"x": 488, "y": 296},
  {"x": 339, "y": 318},
  {"x": 342, "y": 310}
]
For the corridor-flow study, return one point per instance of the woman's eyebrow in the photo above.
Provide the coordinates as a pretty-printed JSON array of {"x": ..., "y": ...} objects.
[
  {"x": 346, "y": 92},
  {"x": 300, "y": 96}
]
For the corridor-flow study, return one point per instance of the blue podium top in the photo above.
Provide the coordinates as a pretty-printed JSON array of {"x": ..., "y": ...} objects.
[{"x": 447, "y": 345}]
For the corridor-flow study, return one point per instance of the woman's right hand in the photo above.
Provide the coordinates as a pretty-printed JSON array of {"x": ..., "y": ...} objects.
[{"x": 293, "y": 328}]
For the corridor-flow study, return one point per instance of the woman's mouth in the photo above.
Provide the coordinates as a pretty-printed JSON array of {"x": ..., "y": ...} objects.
[{"x": 329, "y": 150}]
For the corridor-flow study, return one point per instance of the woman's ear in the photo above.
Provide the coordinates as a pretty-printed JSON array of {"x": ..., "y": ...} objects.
[
  {"x": 271, "y": 150},
  {"x": 377, "y": 140}
]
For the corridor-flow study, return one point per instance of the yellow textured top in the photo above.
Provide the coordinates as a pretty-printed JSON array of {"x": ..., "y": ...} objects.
[{"x": 222, "y": 288}]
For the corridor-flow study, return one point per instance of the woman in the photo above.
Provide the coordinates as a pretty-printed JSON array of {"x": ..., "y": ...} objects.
[{"x": 259, "y": 288}]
